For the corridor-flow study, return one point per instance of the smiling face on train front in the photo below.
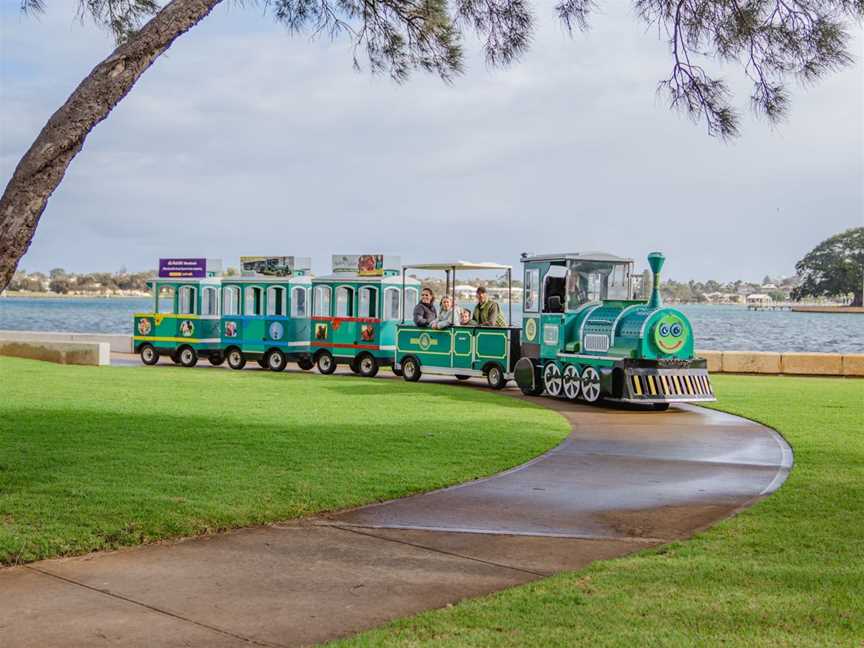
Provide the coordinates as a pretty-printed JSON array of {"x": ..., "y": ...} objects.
[{"x": 670, "y": 333}]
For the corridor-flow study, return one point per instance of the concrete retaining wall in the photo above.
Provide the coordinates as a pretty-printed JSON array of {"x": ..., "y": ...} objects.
[
  {"x": 801, "y": 364},
  {"x": 118, "y": 343},
  {"x": 79, "y": 353}
]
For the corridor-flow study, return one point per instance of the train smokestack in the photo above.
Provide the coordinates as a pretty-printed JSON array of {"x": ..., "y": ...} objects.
[{"x": 656, "y": 260}]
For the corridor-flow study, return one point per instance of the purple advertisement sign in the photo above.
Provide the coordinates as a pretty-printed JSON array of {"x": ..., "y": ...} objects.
[{"x": 182, "y": 268}]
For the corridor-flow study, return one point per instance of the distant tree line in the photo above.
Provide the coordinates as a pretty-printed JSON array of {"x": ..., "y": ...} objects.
[{"x": 61, "y": 282}]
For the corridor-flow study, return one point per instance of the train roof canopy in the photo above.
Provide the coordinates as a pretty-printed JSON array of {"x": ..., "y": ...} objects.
[
  {"x": 457, "y": 265},
  {"x": 578, "y": 256}
]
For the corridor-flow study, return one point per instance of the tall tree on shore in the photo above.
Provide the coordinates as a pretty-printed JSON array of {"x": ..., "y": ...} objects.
[
  {"x": 770, "y": 39},
  {"x": 834, "y": 268}
]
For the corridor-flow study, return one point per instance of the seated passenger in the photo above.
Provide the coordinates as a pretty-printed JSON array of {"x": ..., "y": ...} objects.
[
  {"x": 465, "y": 318},
  {"x": 487, "y": 312},
  {"x": 424, "y": 312},
  {"x": 446, "y": 315}
]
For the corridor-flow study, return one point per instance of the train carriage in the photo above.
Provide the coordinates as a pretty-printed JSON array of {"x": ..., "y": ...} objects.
[
  {"x": 265, "y": 313},
  {"x": 461, "y": 351},
  {"x": 184, "y": 323},
  {"x": 355, "y": 310},
  {"x": 585, "y": 336}
]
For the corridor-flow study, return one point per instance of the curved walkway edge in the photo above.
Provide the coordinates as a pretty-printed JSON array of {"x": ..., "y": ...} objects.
[{"x": 621, "y": 481}]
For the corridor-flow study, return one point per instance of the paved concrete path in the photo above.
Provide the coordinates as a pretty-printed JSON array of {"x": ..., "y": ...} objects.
[{"x": 623, "y": 480}]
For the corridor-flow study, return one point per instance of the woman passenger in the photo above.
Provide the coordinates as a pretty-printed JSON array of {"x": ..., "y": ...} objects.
[
  {"x": 446, "y": 316},
  {"x": 424, "y": 312}
]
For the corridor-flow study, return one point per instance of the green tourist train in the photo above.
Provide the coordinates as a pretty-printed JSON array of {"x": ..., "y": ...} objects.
[{"x": 584, "y": 333}]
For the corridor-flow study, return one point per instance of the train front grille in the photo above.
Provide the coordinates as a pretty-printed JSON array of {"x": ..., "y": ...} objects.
[{"x": 659, "y": 385}]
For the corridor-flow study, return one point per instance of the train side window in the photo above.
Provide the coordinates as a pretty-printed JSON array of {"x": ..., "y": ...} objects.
[
  {"x": 298, "y": 301},
  {"x": 231, "y": 300},
  {"x": 532, "y": 290},
  {"x": 344, "y": 301},
  {"x": 411, "y": 300},
  {"x": 254, "y": 301},
  {"x": 368, "y": 302},
  {"x": 209, "y": 301},
  {"x": 391, "y": 303},
  {"x": 186, "y": 300},
  {"x": 276, "y": 300},
  {"x": 165, "y": 301},
  {"x": 321, "y": 301}
]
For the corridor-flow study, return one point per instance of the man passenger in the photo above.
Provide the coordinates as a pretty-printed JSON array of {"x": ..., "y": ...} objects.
[
  {"x": 424, "y": 312},
  {"x": 487, "y": 312}
]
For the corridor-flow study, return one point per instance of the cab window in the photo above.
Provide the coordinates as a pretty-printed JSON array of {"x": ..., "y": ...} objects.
[
  {"x": 591, "y": 281},
  {"x": 531, "y": 300},
  {"x": 165, "y": 299}
]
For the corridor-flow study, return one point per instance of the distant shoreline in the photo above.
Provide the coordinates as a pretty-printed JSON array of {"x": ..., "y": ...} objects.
[{"x": 41, "y": 295}]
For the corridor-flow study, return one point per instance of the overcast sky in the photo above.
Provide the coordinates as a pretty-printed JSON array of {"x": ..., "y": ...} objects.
[{"x": 244, "y": 139}]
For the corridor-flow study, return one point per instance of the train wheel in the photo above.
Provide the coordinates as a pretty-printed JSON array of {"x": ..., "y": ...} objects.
[
  {"x": 463, "y": 377},
  {"x": 276, "y": 360},
  {"x": 660, "y": 407},
  {"x": 495, "y": 377},
  {"x": 175, "y": 356},
  {"x": 187, "y": 356},
  {"x": 215, "y": 359},
  {"x": 149, "y": 355},
  {"x": 236, "y": 359},
  {"x": 552, "y": 379},
  {"x": 367, "y": 365},
  {"x": 590, "y": 385},
  {"x": 396, "y": 372},
  {"x": 262, "y": 362},
  {"x": 572, "y": 382},
  {"x": 354, "y": 366},
  {"x": 326, "y": 363},
  {"x": 411, "y": 370},
  {"x": 305, "y": 363}
]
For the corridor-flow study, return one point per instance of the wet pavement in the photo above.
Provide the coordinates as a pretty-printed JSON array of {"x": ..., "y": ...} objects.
[{"x": 622, "y": 481}]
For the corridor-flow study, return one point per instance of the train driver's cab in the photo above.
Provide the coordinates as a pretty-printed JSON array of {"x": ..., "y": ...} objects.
[{"x": 592, "y": 279}]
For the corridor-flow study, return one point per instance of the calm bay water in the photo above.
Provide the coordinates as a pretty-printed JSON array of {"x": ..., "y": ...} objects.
[{"x": 717, "y": 327}]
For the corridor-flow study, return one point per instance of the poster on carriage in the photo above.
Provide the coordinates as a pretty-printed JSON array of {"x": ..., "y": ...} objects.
[
  {"x": 365, "y": 265},
  {"x": 189, "y": 268},
  {"x": 273, "y": 266}
]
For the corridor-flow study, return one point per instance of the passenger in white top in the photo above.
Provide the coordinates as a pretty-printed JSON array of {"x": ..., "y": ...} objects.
[{"x": 447, "y": 316}]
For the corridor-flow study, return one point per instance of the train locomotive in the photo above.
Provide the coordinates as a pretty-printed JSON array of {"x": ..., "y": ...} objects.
[{"x": 583, "y": 336}]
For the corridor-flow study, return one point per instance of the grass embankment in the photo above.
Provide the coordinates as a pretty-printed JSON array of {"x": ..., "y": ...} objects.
[
  {"x": 787, "y": 572},
  {"x": 94, "y": 458}
]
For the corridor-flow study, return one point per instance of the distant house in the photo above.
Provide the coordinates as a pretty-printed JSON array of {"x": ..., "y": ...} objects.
[{"x": 759, "y": 299}]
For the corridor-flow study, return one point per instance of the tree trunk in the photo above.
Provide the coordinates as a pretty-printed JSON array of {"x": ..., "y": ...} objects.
[{"x": 42, "y": 168}]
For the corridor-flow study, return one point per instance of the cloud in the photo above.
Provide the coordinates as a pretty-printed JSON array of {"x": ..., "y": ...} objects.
[{"x": 246, "y": 140}]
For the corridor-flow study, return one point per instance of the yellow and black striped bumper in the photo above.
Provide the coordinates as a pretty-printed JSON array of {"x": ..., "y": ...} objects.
[{"x": 668, "y": 385}]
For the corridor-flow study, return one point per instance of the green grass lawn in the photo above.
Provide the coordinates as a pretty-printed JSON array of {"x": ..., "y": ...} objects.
[
  {"x": 787, "y": 572},
  {"x": 94, "y": 458}
]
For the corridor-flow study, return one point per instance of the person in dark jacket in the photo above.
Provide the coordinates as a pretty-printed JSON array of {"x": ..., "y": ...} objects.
[{"x": 424, "y": 312}]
